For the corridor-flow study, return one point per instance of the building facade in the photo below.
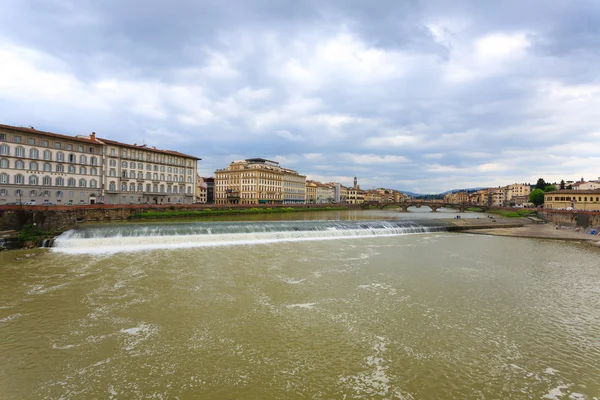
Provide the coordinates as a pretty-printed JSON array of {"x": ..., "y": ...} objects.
[
  {"x": 258, "y": 181},
  {"x": 48, "y": 168},
  {"x": 585, "y": 200},
  {"x": 311, "y": 192}
]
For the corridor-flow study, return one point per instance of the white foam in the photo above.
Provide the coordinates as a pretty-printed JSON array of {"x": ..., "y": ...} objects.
[
  {"x": 293, "y": 281},
  {"x": 308, "y": 306},
  {"x": 550, "y": 371},
  {"x": 9, "y": 318},
  {"x": 117, "y": 244},
  {"x": 556, "y": 392}
]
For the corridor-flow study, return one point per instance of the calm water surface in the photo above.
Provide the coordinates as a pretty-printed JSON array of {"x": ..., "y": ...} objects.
[{"x": 420, "y": 316}]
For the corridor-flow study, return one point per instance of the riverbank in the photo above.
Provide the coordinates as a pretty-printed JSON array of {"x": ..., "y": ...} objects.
[
  {"x": 166, "y": 214},
  {"x": 523, "y": 228}
]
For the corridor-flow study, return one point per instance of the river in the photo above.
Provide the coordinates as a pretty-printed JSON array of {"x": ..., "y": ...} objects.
[{"x": 358, "y": 304}]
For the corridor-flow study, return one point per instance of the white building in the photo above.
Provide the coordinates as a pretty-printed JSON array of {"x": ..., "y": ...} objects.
[{"x": 43, "y": 167}]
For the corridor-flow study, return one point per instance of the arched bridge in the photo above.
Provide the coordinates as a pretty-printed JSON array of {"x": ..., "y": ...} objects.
[{"x": 434, "y": 205}]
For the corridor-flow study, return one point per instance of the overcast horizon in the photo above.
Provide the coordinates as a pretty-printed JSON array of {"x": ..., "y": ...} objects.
[{"x": 421, "y": 96}]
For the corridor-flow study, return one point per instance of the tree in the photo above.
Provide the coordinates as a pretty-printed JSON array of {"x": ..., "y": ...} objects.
[
  {"x": 549, "y": 188},
  {"x": 541, "y": 184},
  {"x": 562, "y": 184},
  {"x": 537, "y": 197}
]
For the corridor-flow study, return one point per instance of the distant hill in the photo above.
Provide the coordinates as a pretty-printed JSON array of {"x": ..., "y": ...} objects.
[{"x": 413, "y": 194}]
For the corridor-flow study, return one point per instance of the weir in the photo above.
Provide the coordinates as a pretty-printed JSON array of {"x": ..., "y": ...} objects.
[{"x": 137, "y": 237}]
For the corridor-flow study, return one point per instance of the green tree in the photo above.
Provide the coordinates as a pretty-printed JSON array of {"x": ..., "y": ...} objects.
[
  {"x": 537, "y": 197},
  {"x": 541, "y": 184},
  {"x": 549, "y": 188}
]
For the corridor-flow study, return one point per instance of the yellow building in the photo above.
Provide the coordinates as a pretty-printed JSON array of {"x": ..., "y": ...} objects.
[
  {"x": 355, "y": 196},
  {"x": 258, "y": 181},
  {"x": 586, "y": 200},
  {"x": 311, "y": 192}
]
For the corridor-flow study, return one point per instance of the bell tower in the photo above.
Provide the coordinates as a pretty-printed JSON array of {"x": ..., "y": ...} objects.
[{"x": 355, "y": 183}]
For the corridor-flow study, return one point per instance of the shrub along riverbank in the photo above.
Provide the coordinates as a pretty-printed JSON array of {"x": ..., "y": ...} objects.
[
  {"x": 230, "y": 211},
  {"x": 514, "y": 214}
]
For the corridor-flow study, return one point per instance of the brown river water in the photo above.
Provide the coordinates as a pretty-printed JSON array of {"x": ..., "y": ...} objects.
[{"x": 337, "y": 305}]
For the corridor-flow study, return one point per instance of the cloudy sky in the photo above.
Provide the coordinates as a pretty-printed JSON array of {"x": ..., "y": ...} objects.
[{"x": 414, "y": 95}]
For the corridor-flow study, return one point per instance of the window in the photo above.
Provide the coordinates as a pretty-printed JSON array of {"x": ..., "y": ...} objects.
[
  {"x": 47, "y": 167},
  {"x": 140, "y": 175},
  {"x": 156, "y": 167},
  {"x": 112, "y": 172},
  {"x": 46, "y": 193},
  {"x": 33, "y": 193},
  {"x": 113, "y": 163},
  {"x": 189, "y": 179},
  {"x": 59, "y": 193},
  {"x": 60, "y": 181},
  {"x": 162, "y": 177},
  {"x": 82, "y": 170},
  {"x": 148, "y": 175},
  {"x": 132, "y": 187},
  {"x": 123, "y": 164},
  {"x": 91, "y": 150},
  {"x": 60, "y": 156},
  {"x": 123, "y": 187},
  {"x": 47, "y": 155},
  {"x": 93, "y": 183},
  {"x": 17, "y": 139},
  {"x": 5, "y": 150},
  {"x": 140, "y": 187},
  {"x": 155, "y": 176},
  {"x": 140, "y": 166},
  {"x": 162, "y": 168},
  {"x": 131, "y": 165},
  {"x": 58, "y": 145},
  {"x": 175, "y": 189},
  {"x": 80, "y": 148},
  {"x": 31, "y": 141},
  {"x": 47, "y": 181},
  {"x": 113, "y": 152},
  {"x": 112, "y": 186},
  {"x": 45, "y": 143},
  {"x": 60, "y": 168},
  {"x": 71, "y": 182},
  {"x": 82, "y": 183},
  {"x": 3, "y": 136},
  {"x": 155, "y": 188},
  {"x": 93, "y": 171},
  {"x": 132, "y": 174},
  {"x": 71, "y": 169},
  {"x": 4, "y": 163},
  {"x": 69, "y": 147},
  {"x": 19, "y": 179},
  {"x": 19, "y": 164},
  {"x": 33, "y": 166},
  {"x": 3, "y": 178},
  {"x": 189, "y": 190},
  {"x": 20, "y": 152},
  {"x": 124, "y": 174},
  {"x": 94, "y": 161},
  {"x": 123, "y": 153},
  {"x": 72, "y": 158},
  {"x": 19, "y": 192},
  {"x": 34, "y": 153},
  {"x": 82, "y": 159},
  {"x": 148, "y": 187},
  {"x": 33, "y": 180},
  {"x": 169, "y": 189},
  {"x": 169, "y": 178}
]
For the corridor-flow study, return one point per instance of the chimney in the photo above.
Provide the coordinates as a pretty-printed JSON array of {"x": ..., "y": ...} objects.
[{"x": 93, "y": 136}]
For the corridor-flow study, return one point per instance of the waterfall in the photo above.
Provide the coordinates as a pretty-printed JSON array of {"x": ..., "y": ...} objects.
[{"x": 137, "y": 237}]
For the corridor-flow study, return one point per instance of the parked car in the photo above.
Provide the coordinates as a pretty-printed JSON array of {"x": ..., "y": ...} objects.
[
  {"x": 569, "y": 208},
  {"x": 29, "y": 203}
]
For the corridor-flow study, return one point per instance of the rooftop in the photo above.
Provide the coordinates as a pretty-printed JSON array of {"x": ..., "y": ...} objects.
[
  {"x": 145, "y": 147},
  {"x": 50, "y": 134},
  {"x": 568, "y": 191}
]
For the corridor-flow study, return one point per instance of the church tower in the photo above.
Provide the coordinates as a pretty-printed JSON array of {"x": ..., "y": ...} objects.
[{"x": 355, "y": 183}]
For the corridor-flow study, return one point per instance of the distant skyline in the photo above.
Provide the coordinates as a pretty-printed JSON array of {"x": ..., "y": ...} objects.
[{"x": 422, "y": 96}]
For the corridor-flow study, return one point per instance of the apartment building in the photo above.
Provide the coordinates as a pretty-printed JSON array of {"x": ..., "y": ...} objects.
[
  {"x": 141, "y": 174},
  {"x": 50, "y": 168},
  {"x": 258, "y": 181},
  {"x": 587, "y": 200},
  {"x": 311, "y": 192},
  {"x": 201, "y": 190},
  {"x": 294, "y": 187},
  {"x": 457, "y": 198},
  {"x": 355, "y": 196},
  {"x": 43, "y": 167}
]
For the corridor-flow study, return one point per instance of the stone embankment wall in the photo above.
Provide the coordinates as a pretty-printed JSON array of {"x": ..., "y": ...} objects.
[
  {"x": 583, "y": 219},
  {"x": 62, "y": 218}
]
